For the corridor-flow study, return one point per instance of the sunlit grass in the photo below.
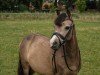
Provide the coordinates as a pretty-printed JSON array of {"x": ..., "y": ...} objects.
[{"x": 13, "y": 31}]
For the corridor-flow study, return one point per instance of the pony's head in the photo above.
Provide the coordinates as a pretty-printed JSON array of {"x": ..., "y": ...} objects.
[{"x": 63, "y": 30}]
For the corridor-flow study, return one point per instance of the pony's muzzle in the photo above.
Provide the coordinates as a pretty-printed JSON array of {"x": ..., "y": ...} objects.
[
  {"x": 54, "y": 42},
  {"x": 55, "y": 46}
]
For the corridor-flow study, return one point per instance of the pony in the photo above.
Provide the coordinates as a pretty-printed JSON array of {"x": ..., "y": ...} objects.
[{"x": 36, "y": 51}]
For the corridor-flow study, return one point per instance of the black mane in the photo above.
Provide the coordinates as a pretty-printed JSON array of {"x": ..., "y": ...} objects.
[{"x": 58, "y": 21}]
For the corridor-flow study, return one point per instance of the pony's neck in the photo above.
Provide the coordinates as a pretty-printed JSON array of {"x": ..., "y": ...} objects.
[{"x": 71, "y": 45}]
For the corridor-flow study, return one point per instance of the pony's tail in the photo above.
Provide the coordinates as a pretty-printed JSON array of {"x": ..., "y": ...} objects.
[{"x": 20, "y": 69}]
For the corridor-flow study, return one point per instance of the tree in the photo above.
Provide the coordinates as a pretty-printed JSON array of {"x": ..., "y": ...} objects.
[
  {"x": 81, "y": 5},
  {"x": 8, "y": 5}
]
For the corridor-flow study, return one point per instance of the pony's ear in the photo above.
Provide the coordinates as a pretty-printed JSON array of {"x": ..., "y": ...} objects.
[{"x": 69, "y": 14}]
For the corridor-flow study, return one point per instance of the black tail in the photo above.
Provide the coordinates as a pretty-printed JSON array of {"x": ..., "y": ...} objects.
[{"x": 20, "y": 69}]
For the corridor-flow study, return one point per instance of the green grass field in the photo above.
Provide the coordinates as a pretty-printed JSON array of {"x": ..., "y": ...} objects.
[{"x": 13, "y": 28}]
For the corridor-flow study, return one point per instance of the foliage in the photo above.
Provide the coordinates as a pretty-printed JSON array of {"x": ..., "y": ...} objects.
[
  {"x": 8, "y": 5},
  {"x": 98, "y": 5},
  {"x": 23, "y": 7},
  {"x": 81, "y": 5},
  {"x": 53, "y": 8}
]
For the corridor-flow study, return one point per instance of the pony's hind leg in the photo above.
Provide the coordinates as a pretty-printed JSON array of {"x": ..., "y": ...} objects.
[
  {"x": 71, "y": 73},
  {"x": 28, "y": 71},
  {"x": 23, "y": 68},
  {"x": 31, "y": 72},
  {"x": 26, "y": 68}
]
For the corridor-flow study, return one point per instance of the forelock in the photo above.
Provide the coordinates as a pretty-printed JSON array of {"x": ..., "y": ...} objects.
[{"x": 58, "y": 21}]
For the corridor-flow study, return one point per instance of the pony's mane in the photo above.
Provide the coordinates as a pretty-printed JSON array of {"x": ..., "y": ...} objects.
[{"x": 60, "y": 19}]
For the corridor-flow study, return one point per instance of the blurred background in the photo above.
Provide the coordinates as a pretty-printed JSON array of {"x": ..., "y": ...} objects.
[{"x": 50, "y": 5}]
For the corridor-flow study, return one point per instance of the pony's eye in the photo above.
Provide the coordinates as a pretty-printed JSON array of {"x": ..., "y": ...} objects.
[
  {"x": 62, "y": 23},
  {"x": 67, "y": 27}
]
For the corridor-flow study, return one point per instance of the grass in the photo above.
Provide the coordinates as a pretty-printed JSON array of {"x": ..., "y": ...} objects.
[{"x": 13, "y": 29}]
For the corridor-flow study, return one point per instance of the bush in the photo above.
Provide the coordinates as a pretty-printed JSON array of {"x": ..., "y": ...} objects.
[
  {"x": 81, "y": 5},
  {"x": 23, "y": 8}
]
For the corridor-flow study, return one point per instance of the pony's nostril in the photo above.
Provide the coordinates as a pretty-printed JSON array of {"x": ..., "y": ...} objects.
[{"x": 54, "y": 43}]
